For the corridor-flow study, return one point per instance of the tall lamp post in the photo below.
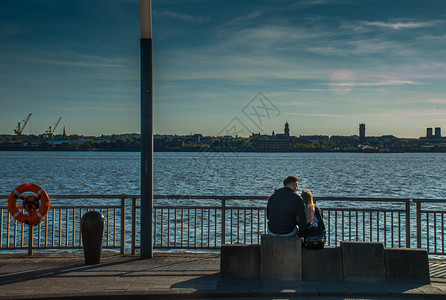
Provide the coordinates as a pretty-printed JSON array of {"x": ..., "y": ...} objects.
[{"x": 146, "y": 237}]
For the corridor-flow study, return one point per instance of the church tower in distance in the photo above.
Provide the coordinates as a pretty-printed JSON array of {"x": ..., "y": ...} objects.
[{"x": 287, "y": 129}]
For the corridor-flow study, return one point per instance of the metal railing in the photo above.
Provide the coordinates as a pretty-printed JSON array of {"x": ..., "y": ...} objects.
[
  {"x": 431, "y": 225},
  {"x": 207, "y": 222},
  {"x": 60, "y": 229}
]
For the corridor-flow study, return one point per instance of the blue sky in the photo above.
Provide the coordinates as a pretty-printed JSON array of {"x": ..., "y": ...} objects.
[{"x": 223, "y": 67}]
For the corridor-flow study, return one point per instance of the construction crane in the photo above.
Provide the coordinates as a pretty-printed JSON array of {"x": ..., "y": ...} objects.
[
  {"x": 20, "y": 127},
  {"x": 50, "y": 131}
]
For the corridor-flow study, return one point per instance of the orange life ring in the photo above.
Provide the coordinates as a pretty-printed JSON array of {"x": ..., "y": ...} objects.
[{"x": 36, "y": 206}]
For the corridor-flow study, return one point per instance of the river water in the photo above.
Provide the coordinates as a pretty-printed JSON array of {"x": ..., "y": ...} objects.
[
  {"x": 375, "y": 175},
  {"x": 397, "y": 175}
]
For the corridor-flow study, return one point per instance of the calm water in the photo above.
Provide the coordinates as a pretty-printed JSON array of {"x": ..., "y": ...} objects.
[{"x": 413, "y": 175}]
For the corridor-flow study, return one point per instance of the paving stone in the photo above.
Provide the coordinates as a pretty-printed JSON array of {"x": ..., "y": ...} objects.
[
  {"x": 161, "y": 291},
  {"x": 187, "y": 291},
  {"x": 431, "y": 290},
  {"x": 118, "y": 286},
  {"x": 19, "y": 292},
  {"x": 442, "y": 287},
  {"x": 11, "y": 297}
]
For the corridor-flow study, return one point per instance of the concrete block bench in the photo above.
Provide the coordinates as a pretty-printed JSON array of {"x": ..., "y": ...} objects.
[
  {"x": 240, "y": 261},
  {"x": 363, "y": 261},
  {"x": 406, "y": 264},
  {"x": 283, "y": 258},
  {"x": 322, "y": 264},
  {"x": 280, "y": 258}
]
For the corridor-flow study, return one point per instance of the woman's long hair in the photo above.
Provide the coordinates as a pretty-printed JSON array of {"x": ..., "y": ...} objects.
[{"x": 309, "y": 204}]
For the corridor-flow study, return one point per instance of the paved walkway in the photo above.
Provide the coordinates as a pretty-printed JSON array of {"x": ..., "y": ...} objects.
[{"x": 55, "y": 276}]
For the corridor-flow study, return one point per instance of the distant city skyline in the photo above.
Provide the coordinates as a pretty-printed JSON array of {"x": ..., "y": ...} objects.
[{"x": 323, "y": 66}]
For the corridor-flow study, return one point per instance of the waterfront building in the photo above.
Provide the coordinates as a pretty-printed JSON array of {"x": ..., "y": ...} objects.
[
  {"x": 437, "y": 132},
  {"x": 287, "y": 130},
  {"x": 432, "y": 140},
  {"x": 362, "y": 133},
  {"x": 276, "y": 144},
  {"x": 344, "y": 140},
  {"x": 429, "y": 134},
  {"x": 206, "y": 139},
  {"x": 226, "y": 138},
  {"x": 197, "y": 138},
  {"x": 315, "y": 138},
  {"x": 165, "y": 141},
  {"x": 274, "y": 141}
]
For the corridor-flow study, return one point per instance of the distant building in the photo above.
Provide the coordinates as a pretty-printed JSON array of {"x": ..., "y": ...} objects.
[
  {"x": 165, "y": 141},
  {"x": 345, "y": 140},
  {"x": 388, "y": 138},
  {"x": 276, "y": 144},
  {"x": 315, "y": 138},
  {"x": 274, "y": 141},
  {"x": 362, "y": 133},
  {"x": 226, "y": 138},
  {"x": 286, "y": 131},
  {"x": 197, "y": 138},
  {"x": 429, "y": 134},
  {"x": 206, "y": 139},
  {"x": 437, "y": 132}
]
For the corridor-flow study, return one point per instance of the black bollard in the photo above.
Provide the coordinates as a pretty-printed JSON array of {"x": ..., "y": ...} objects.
[{"x": 92, "y": 228}]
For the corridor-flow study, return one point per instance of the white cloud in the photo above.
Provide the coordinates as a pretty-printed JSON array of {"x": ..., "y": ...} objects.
[
  {"x": 183, "y": 17},
  {"x": 74, "y": 63},
  {"x": 436, "y": 100},
  {"x": 432, "y": 100},
  {"x": 401, "y": 25},
  {"x": 389, "y": 82},
  {"x": 409, "y": 113},
  {"x": 315, "y": 115}
]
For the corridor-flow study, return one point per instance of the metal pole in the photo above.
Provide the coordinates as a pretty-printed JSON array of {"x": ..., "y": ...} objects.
[
  {"x": 123, "y": 226},
  {"x": 418, "y": 214},
  {"x": 223, "y": 221},
  {"x": 133, "y": 226},
  {"x": 30, "y": 239},
  {"x": 146, "y": 131},
  {"x": 407, "y": 224}
]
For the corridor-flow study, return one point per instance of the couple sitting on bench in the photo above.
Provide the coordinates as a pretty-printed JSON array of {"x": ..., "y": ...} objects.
[{"x": 292, "y": 215}]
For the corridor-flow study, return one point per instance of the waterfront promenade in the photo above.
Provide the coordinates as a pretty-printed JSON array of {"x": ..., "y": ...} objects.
[{"x": 178, "y": 275}]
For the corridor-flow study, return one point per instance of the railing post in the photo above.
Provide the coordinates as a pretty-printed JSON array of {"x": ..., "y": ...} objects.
[
  {"x": 30, "y": 239},
  {"x": 123, "y": 225},
  {"x": 418, "y": 224},
  {"x": 223, "y": 221},
  {"x": 408, "y": 224},
  {"x": 133, "y": 226}
]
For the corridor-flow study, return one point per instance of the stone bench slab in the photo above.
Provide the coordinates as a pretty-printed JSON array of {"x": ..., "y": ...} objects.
[
  {"x": 363, "y": 261},
  {"x": 322, "y": 264},
  {"x": 407, "y": 265},
  {"x": 280, "y": 258},
  {"x": 240, "y": 261}
]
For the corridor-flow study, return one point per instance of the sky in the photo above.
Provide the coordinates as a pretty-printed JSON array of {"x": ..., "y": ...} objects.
[{"x": 226, "y": 67}]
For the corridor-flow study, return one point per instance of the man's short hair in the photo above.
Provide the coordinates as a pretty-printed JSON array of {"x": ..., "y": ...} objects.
[{"x": 290, "y": 179}]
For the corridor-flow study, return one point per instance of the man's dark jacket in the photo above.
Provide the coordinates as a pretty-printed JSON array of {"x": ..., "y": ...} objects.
[{"x": 283, "y": 207}]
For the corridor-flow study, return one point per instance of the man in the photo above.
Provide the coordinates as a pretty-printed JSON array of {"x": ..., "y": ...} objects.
[{"x": 286, "y": 209}]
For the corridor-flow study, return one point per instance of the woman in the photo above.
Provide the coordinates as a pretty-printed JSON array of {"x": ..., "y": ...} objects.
[{"x": 315, "y": 228}]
